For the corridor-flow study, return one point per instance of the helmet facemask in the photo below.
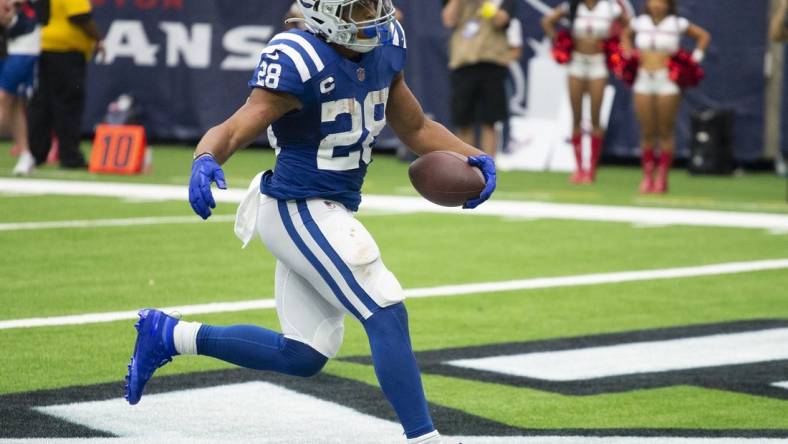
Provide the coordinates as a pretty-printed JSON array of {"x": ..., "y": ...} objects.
[{"x": 359, "y": 25}]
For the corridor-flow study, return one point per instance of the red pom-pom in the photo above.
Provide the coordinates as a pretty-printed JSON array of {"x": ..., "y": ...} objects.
[
  {"x": 563, "y": 45},
  {"x": 685, "y": 71},
  {"x": 628, "y": 68},
  {"x": 624, "y": 67},
  {"x": 613, "y": 52}
]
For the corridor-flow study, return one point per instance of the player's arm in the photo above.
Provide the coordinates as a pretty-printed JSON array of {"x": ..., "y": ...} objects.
[
  {"x": 628, "y": 39},
  {"x": 778, "y": 28},
  {"x": 80, "y": 14},
  {"x": 262, "y": 108},
  {"x": 420, "y": 133},
  {"x": 550, "y": 21},
  {"x": 702, "y": 37},
  {"x": 423, "y": 135},
  {"x": 500, "y": 16},
  {"x": 451, "y": 13}
]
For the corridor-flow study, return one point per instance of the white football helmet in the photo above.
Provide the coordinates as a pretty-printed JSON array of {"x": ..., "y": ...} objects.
[{"x": 333, "y": 19}]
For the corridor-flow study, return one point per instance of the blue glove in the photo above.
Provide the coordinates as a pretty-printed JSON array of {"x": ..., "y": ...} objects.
[
  {"x": 204, "y": 171},
  {"x": 487, "y": 165}
]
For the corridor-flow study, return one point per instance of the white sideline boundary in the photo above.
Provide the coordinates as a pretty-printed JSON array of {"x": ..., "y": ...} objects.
[
  {"x": 448, "y": 290},
  {"x": 776, "y": 223}
]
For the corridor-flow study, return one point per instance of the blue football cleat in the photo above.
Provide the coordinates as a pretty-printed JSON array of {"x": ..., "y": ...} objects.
[{"x": 153, "y": 349}]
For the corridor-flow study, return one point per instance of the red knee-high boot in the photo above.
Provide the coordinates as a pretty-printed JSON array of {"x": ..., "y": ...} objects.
[
  {"x": 648, "y": 163},
  {"x": 577, "y": 145},
  {"x": 596, "y": 153},
  {"x": 663, "y": 169}
]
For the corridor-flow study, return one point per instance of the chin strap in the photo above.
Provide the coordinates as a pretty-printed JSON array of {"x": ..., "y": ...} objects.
[{"x": 296, "y": 20}]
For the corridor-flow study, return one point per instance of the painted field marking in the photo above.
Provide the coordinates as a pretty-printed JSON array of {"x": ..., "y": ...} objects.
[
  {"x": 447, "y": 290},
  {"x": 189, "y": 416},
  {"x": 125, "y": 222},
  {"x": 601, "y": 278},
  {"x": 774, "y": 223},
  {"x": 140, "y": 221},
  {"x": 94, "y": 318},
  {"x": 640, "y": 357},
  {"x": 243, "y": 409}
]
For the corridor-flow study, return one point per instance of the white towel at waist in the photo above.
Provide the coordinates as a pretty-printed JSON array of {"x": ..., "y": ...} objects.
[{"x": 246, "y": 216}]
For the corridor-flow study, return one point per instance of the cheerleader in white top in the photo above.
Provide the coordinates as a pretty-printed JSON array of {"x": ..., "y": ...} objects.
[
  {"x": 591, "y": 22},
  {"x": 657, "y": 37}
]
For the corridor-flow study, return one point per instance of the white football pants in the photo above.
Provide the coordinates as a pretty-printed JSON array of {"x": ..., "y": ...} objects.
[{"x": 327, "y": 266}]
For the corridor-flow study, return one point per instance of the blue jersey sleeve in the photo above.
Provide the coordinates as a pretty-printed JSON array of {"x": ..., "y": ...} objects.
[
  {"x": 397, "y": 47},
  {"x": 278, "y": 71}
]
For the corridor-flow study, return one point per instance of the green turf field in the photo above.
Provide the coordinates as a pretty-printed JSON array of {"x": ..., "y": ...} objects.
[{"x": 72, "y": 271}]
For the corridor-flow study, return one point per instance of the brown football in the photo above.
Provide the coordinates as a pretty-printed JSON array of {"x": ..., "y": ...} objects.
[{"x": 445, "y": 178}]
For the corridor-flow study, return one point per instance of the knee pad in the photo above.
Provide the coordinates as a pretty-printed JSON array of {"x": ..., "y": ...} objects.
[{"x": 302, "y": 360}]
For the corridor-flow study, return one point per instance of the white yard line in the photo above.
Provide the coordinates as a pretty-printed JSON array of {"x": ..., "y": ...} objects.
[
  {"x": 449, "y": 290},
  {"x": 127, "y": 222},
  {"x": 602, "y": 278},
  {"x": 94, "y": 318},
  {"x": 777, "y": 223}
]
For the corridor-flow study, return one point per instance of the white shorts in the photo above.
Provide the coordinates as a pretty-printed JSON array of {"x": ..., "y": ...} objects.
[
  {"x": 327, "y": 266},
  {"x": 589, "y": 67},
  {"x": 655, "y": 83}
]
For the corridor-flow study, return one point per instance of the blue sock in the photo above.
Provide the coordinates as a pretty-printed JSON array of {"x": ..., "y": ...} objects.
[
  {"x": 260, "y": 349},
  {"x": 396, "y": 368}
]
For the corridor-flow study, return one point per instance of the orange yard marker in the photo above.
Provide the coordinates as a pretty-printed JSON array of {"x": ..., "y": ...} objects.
[{"x": 118, "y": 149}]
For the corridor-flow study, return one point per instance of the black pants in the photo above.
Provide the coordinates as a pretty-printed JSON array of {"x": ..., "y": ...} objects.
[
  {"x": 479, "y": 94},
  {"x": 57, "y": 104}
]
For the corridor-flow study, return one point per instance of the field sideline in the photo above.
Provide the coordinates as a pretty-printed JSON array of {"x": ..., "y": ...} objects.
[{"x": 71, "y": 255}]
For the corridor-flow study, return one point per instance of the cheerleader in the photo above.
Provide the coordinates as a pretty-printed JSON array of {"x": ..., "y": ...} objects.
[
  {"x": 657, "y": 37},
  {"x": 591, "y": 22}
]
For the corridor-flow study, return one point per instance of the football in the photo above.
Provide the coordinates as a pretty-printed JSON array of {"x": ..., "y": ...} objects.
[{"x": 445, "y": 178}]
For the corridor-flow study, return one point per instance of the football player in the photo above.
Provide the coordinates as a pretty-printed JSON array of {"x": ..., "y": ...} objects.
[{"x": 324, "y": 95}]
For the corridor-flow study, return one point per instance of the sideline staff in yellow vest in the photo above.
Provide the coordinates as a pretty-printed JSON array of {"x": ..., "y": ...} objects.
[
  {"x": 479, "y": 58},
  {"x": 68, "y": 42}
]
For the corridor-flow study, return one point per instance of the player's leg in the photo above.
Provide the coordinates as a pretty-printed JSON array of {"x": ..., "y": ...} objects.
[
  {"x": 19, "y": 131},
  {"x": 39, "y": 112},
  {"x": 397, "y": 370},
  {"x": 161, "y": 337},
  {"x": 7, "y": 90},
  {"x": 312, "y": 333},
  {"x": 576, "y": 92},
  {"x": 667, "y": 111},
  {"x": 494, "y": 105},
  {"x": 68, "y": 104},
  {"x": 462, "y": 105},
  {"x": 344, "y": 264},
  {"x": 596, "y": 89},
  {"x": 26, "y": 163},
  {"x": 16, "y": 73},
  {"x": 645, "y": 104}
]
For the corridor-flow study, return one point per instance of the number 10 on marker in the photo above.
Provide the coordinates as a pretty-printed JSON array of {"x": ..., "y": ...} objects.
[{"x": 118, "y": 149}]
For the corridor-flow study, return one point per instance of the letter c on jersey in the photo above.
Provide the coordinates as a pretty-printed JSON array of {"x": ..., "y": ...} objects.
[{"x": 327, "y": 85}]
